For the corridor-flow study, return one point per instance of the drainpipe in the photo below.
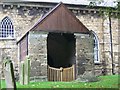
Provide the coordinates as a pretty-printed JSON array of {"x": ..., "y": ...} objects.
[{"x": 111, "y": 43}]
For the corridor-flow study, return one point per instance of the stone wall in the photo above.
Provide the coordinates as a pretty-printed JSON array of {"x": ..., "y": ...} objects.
[
  {"x": 20, "y": 18},
  {"x": 24, "y": 18},
  {"x": 119, "y": 46},
  {"x": 100, "y": 25},
  {"x": 1, "y": 63},
  {"x": 22, "y": 22},
  {"x": 84, "y": 55},
  {"x": 115, "y": 33},
  {"x": 8, "y": 49},
  {"x": 37, "y": 51}
]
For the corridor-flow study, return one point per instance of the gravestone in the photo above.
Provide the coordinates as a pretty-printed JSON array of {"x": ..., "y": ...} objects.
[
  {"x": 9, "y": 75},
  {"x": 21, "y": 73},
  {"x": 24, "y": 71}
]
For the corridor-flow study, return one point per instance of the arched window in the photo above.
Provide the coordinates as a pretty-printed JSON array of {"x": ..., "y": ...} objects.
[
  {"x": 6, "y": 29},
  {"x": 96, "y": 48}
]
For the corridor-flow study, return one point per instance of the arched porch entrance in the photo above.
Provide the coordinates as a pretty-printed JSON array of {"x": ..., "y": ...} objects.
[
  {"x": 58, "y": 59},
  {"x": 61, "y": 56}
]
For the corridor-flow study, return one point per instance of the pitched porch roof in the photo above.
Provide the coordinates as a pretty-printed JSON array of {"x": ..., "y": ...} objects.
[{"x": 60, "y": 19}]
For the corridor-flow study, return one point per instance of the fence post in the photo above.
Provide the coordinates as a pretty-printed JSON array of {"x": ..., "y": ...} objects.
[
  {"x": 61, "y": 72},
  {"x": 73, "y": 67}
]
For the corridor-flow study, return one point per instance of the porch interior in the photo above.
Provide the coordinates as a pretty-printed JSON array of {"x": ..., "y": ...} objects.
[{"x": 61, "y": 54}]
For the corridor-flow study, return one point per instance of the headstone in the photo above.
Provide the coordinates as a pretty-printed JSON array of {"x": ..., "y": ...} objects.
[
  {"x": 9, "y": 75},
  {"x": 21, "y": 73},
  {"x": 26, "y": 70}
]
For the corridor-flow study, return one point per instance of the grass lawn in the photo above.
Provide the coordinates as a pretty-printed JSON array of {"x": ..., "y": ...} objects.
[{"x": 104, "y": 82}]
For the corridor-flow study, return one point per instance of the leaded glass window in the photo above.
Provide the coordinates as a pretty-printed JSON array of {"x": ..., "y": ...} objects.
[
  {"x": 96, "y": 48},
  {"x": 6, "y": 29}
]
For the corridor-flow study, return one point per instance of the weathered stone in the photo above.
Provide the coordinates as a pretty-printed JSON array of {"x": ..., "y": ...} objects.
[
  {"x": 21, "y": 71},
  {"x": 9, "y": 75},
  {"x": 23, "y": 20},
  {"x": 84, "y": 56},
  {"x": 38, "y": 53},
  {"x": 27, "y": 71},
  {"x": 87, "y": 77}
]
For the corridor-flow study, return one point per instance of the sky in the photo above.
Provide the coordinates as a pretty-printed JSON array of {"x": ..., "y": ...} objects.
[{"x": 84, "y": 2}]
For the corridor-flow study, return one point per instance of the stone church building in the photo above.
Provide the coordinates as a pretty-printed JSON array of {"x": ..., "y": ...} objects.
[{"x": 96, "y": 41}]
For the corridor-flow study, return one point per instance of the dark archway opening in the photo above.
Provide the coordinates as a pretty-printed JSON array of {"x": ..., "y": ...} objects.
[{"x": 61, "y": 50}]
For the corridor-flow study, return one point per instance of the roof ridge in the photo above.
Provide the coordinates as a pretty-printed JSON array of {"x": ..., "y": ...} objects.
[
  {"x": 80, "y": 26},
  {"x": 47, "y": 14}
]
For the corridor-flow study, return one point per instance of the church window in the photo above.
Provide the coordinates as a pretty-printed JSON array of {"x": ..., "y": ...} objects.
[
  {"x": 6, "y": 29},
  {"x": 96, "y": 48}
]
